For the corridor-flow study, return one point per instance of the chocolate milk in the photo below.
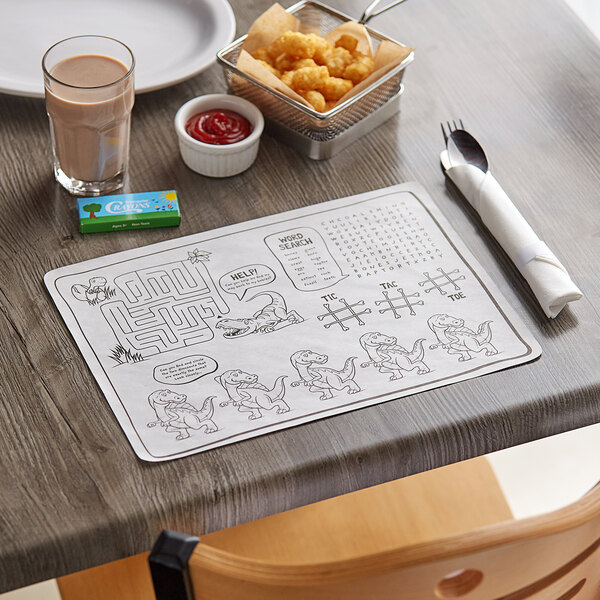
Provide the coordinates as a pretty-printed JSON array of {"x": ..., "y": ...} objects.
[{"x": 89, "y": 104}]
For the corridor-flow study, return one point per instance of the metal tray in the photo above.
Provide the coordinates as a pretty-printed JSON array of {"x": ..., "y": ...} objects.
[{"x": 311, "y": 132}]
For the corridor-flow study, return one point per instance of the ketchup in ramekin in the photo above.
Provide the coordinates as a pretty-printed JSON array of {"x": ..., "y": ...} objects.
[{"x": 219, "y": 127}]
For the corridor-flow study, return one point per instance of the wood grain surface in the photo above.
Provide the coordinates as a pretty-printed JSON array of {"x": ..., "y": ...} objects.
[{"x": 524, "y": 78}]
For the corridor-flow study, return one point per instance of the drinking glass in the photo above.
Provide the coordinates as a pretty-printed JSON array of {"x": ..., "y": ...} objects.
[{"x": 88, "y": 82}]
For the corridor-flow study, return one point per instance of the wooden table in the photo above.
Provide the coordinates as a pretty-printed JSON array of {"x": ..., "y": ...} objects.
[{"x": 524, "y": 77}]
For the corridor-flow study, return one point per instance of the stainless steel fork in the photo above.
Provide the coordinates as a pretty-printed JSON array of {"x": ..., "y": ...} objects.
[{"x": 452, "y": 126}]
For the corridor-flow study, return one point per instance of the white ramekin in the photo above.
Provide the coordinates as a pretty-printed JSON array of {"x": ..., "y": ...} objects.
[{"x": 215, "y": 160}]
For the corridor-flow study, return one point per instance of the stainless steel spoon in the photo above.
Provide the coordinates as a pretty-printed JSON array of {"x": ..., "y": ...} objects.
[{"x": 464, "y": 149}]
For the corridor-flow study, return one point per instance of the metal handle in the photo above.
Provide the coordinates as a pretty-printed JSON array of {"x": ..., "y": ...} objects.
[{"x": 371, "y": 11}]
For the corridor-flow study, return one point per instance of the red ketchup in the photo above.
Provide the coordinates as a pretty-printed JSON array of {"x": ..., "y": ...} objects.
[{"x": 218, "y": 127}]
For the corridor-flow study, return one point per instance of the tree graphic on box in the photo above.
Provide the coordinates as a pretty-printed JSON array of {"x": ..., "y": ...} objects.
[{"x": 92, "y": 209}]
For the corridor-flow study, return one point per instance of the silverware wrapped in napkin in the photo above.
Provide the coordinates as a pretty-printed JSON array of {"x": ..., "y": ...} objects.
[{"x": 464, "y": 162}]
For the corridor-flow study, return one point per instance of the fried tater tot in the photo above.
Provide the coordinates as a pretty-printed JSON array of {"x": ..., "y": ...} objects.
[
  {"x": 360, "y": 69},
  {"x": 322, "y": 48},
  {"x": 337, "y": 61},
  {"x": 263, "y": 54},
  {"x": 305, "y": 62},
  {"x": 316, "y": 99},
  {"x": 310, "y": 78},
  {"x": 294, "y": 43},
  {"x": 334, "y": 88},
  {"x": 287, "y": 77},
  {"x": 268, "y": 66},
  {"x": 314, "y": 68},
  {"x": 347, "y": 41},
  {"x": 284, "y": 62},
  {"x": 277, "y": 47}
]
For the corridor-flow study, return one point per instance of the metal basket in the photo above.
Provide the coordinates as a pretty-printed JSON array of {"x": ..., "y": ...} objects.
[{"x": 289, "y": 116}]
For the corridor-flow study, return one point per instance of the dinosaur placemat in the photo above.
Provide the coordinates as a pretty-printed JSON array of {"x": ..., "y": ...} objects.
[{"x": 228, "y": 334}]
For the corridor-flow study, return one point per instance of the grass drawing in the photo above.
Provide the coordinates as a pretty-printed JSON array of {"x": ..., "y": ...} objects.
[{"x": 123, "y": 355}]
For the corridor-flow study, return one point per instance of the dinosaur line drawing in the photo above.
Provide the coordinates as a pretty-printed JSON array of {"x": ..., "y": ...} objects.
[
  {"x": 455, "y": 338},
  {"x": 176, "y": 414},
  {"x": 271, "y": 317},
  {"x": 95, "y": 292},
  {"x": 323, "y": 379},
  {"x": 388, "y": 356},
  {"x": 247, "y": 394}
]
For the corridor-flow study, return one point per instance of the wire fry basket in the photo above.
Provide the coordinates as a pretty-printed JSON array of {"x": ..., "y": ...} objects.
[{"x": 318, "y": 135}]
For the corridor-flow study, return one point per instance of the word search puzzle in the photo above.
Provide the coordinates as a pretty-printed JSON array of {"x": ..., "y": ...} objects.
[{"x": 228, "y": 334}]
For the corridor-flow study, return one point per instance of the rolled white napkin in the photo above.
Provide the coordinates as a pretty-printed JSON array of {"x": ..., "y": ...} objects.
[{"x": 544, "y": 273}]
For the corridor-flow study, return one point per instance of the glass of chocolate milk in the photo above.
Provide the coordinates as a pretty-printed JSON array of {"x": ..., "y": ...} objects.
[{"x": 88, "y": 81}]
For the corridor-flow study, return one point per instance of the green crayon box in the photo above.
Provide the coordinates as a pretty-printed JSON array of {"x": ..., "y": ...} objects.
[{"x": 129, "y": 211}]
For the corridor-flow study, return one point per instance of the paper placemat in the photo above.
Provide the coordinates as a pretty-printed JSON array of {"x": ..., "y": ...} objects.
[{"x": 224, "y": 335}]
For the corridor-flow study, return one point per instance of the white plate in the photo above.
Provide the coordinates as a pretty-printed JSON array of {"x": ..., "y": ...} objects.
[{"x": 171, "y": 40}]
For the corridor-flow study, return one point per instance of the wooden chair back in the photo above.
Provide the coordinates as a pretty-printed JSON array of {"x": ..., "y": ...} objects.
[{"x": 554, "y": 556}]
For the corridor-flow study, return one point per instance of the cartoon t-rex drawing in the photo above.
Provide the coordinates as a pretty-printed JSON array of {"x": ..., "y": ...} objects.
[
  {"x": 274, "y": 315},
  {"x": 323, "y": 379},
  {"x": 176, "y": 414},
  {"x": 385, "y": 353},
  {"x": 93, "y": 293},
  {"x": 455, "y": 338},
  {"x": 248, "y": 395}
]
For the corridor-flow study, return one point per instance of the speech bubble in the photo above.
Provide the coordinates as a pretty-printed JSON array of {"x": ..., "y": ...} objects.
[
  {"x": 185, "y": 370},
  {"x": 306, "y": 259},
  {"x": 239, "y": 281}
]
